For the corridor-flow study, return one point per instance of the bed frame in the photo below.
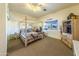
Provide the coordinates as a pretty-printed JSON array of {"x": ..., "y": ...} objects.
[{"x": 31, "y": 38}]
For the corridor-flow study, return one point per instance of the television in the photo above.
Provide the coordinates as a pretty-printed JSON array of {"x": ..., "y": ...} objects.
[{"x": 67, "y": 27}]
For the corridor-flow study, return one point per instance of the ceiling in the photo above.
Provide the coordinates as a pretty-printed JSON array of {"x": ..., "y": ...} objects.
[{"x": 50, "y": 7}]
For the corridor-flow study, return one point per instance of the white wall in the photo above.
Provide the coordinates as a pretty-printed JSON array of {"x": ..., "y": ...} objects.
[
  {"x": 13, "y": 24},
  {"x": 12, "y": 27},
  {"x": 60, "y": 15},
  {"x": 3, "y": 41}
]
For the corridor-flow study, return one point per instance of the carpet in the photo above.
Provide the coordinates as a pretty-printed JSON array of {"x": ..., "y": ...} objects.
[{"x": 44, "y": 47}]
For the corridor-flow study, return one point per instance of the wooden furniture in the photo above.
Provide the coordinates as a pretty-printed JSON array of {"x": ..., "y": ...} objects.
[
  {"x": 67, "y": 39},
  {"x": 70, "y": 30},
  {"x": 75, "y": 29}
]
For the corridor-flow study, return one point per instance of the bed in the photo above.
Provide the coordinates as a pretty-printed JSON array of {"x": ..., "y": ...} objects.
[{"x": 28, "y": 37}]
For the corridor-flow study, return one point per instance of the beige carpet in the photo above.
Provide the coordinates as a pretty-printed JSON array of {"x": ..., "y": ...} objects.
[
  {"x": 44, "y": 47},
  {"x": 14, "y": 45}
]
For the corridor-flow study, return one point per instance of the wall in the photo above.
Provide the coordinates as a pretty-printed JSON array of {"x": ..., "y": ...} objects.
[
  {"x": 3, "y": 41},
  {"x": 60, "y": 15},
  {"x": 13, "y": 27},
  {"x": 14, "y": 20}
]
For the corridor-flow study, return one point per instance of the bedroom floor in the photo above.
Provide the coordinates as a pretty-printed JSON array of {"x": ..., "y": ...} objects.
[{"x": 45, "y": 47}]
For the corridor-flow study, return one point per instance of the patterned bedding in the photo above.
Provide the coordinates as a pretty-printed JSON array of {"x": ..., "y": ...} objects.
[{"x": 28, "y": 37}]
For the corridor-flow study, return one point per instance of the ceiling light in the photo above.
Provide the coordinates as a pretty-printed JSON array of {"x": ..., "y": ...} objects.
[{"x": 35, "y": 6}]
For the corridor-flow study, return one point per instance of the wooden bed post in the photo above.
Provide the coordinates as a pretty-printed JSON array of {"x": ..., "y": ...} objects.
[
  {"x": 25, "y": 43},
  {"x": 25, "y": 29},
  {"x": 25, "y": 22}
]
